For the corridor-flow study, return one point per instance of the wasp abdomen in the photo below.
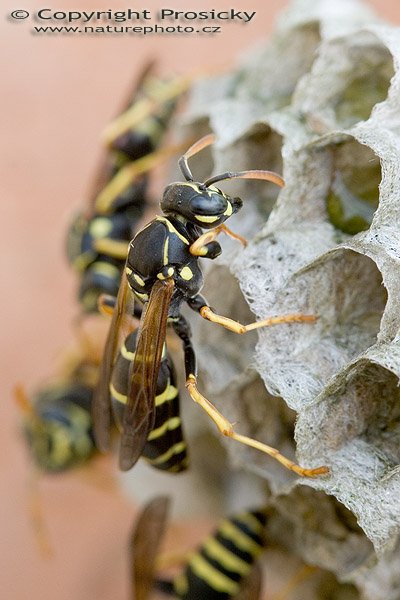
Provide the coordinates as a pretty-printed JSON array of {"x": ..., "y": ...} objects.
[
  {"x": 60, "y": 434},
  {"x": 165, "y": 448},
  {"x": 217, "y": 570}
]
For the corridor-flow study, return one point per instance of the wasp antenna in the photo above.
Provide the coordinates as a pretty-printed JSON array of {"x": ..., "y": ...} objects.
[
  {"x": 255, "y": 174},
  {"x": 205, "y": 141}
]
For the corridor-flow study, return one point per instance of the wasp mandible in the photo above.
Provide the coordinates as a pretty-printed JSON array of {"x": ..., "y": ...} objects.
[{"x": 162, "y": 272}]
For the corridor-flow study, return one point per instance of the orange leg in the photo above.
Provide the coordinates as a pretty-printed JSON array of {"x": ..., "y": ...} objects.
[
  {"x": 197, "y": 248},
  {"x": 236, "y": 327},
  {"x": 226, "y": 429}
]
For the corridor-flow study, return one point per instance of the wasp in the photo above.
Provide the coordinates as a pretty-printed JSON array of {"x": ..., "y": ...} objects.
[
  {"x": 162, "y": 272},
  {"x": 58, "y": 428},
  {"x": 223, "y": 567},
  {"x": 98, "y": 238},
  {"x": 57, "y": 421}
]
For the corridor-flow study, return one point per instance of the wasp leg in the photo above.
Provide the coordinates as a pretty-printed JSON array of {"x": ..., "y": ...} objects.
[
  {"x": 226, "y": 428},
  {"x": 106, "y": 304},
  {"x": 201, "y": 246},
  {"x": 38, "y": 521},
  {"x": 199, "y": 304},
  {"x": 182, "y": 329},
  {"x": 207, "y": 313},
  {"x": 114, "y": 248}
]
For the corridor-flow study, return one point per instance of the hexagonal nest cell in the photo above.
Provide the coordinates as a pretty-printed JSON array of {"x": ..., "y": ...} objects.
[
  {"x": 327, "y": 245},
  {"x": 344, "y": 290},
  {"x": 353, "y": 195},
  {"x": 348, "y": 79}
]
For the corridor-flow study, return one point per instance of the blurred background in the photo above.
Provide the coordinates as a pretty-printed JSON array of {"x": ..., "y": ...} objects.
[{"x": 58, "y": 92}]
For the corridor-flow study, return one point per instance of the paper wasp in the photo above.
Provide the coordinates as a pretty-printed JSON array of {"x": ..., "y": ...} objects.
[
  {"x": 162, "y": 272},
  {"x": 57, "y": 421},
  {"x": 223, "y": 567},
  {"x": 98, "y": 239}
]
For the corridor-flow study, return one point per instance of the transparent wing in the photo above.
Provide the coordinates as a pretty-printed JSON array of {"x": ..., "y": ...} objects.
[
  {"x": 139, "y": 413},
  {"x": 252, "y": 585},
  {"x": 144, "y": 545},
  {"x": 121, "y": 325}
]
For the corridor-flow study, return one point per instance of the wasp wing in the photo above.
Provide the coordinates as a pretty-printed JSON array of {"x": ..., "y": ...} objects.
[
  {"x": 139, "y": 413},
  {"x": 252, "y": 585},
  {"x": 121, "y": 325},
  {"x": 144, "y": 544}
]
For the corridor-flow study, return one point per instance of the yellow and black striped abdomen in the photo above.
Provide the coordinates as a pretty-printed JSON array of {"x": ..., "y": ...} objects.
[
  {"x": 60, "y": 433},
  {"x": 217, "y": 569},
  {"x": 165, "y": 448}
]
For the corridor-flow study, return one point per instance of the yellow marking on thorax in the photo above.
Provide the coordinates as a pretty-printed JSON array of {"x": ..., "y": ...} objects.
[
  {"x": 175, "y": 449},
  {"x": 239, "y": 538},
  {"x": 186, "y": 273},
  {"x": 100, "y": 227},
  {"x": 225, "y": 557},
  {"x": 117, "y": 395},
  {"x": 170, "y": 273},
  {"x": 138, "y": 279},
  {"x": 142, "y": 297},
  {"x": 216, "y": 580},
  {"x": 169, "y": 425},
  {"x": 169, "y": 393},
  {"x": 172, "y": 229},
  {"x": 166, "y": 246}
]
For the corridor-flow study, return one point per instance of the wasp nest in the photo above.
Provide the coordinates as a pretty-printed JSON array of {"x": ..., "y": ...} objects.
[{"x": 320, "y": 104}]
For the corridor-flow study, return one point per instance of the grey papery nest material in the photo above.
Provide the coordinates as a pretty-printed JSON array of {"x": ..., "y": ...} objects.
[{"x": 320, "y": 104}]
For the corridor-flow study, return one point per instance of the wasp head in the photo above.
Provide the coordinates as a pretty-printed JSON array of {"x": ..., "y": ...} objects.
[{"x": 205, "y": 206}]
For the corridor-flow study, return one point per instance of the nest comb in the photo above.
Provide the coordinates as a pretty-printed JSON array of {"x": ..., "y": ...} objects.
[{"x": 320, "y": 103}]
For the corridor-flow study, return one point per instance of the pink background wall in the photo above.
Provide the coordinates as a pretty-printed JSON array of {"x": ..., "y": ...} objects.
[{"x": 57, "y": 94}]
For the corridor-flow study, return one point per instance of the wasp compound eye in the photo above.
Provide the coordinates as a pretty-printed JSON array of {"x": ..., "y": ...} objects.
[{"x": 206, "y": 204}]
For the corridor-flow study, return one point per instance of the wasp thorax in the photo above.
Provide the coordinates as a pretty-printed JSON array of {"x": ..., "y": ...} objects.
[{"x": 204, "y": 206}]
